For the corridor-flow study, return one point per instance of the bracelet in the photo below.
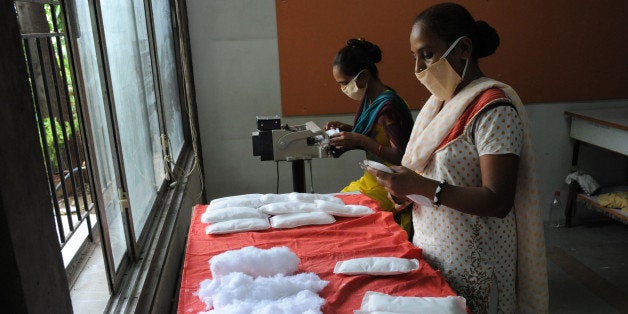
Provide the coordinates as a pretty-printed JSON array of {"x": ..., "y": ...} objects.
[
  {"x": 439, "y": 190},
  {"x": 379, "y": 150}
]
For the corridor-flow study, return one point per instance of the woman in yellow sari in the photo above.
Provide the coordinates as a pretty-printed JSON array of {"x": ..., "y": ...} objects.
[{"x": 382, "y": 123}]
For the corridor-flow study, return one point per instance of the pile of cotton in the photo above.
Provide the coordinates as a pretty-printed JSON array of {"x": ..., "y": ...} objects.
[{"x": 253, "y": 280}]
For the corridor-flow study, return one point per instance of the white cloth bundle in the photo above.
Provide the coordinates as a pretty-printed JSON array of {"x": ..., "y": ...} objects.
[
  {"x": 238, "y": 290},
  {"x": 380, "y": 302},
  {"x": 238, "y": 225},
  {"x": 230, "y": 213},
  {"x": 246, "y": 200},
  {"x": 380, "y": 266},
  {"x": 301, "y": 219},
  {"x": 288, "y": 208},
  {"x": 255, "y": 262},
  {"x": 586, "y": 182},
  {"x": 343, "y": 210}
]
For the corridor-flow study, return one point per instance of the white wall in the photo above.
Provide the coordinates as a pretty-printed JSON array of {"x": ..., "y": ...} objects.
[{"x": 236, "y": 72}]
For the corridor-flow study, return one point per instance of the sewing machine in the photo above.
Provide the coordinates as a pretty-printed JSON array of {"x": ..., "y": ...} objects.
[{"x": 272, "y": 141}]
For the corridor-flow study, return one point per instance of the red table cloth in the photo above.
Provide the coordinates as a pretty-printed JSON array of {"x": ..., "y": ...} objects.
[{"x": 319, "y": 248}]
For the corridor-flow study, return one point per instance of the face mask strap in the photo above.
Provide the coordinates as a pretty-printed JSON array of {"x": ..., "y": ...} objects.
[
  {"x": 451, "y": 47},
  {"x": 465, "y": 69},
  {"x": 356, "y": 76}
]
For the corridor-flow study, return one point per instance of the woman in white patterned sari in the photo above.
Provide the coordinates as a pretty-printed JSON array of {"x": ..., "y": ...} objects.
[{"x": 469, "y": 155}]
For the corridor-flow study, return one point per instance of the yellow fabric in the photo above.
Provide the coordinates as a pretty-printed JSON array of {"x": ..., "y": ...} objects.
[
  {"x": 615, "y": 200},
  {"x": 432, "y": 125},
  {"x": 367, "y": 184}
]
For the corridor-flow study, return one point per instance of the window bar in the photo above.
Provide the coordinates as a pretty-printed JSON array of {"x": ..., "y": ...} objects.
[
  {"x": 42, "y": 133},
  {"x": 77, "y": 105},
  {"x": 68, "y": 103},
  {"x": 53, "y": 125}
]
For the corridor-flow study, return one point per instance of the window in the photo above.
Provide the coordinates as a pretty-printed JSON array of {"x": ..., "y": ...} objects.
[{"x": 105, "y": 80}]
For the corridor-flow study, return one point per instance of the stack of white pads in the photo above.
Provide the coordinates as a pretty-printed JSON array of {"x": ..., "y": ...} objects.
[
  {"x": 251, "y": 212},
  {"x": 253, "y": 280}
]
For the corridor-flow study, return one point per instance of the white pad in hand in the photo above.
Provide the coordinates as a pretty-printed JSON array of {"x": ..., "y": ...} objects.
[
  {"x": 380, "y": 302},
  {"x": 421, "y": 200},
  {"x": 376, "y": 165},
  {"x": 343, "y": 210},
  {"x": 230, "y": 213},
  {"x": 255, "y": 262},
  {"x": 238, "y": 225},
  {"x": 301, "y": 219},
  {"x": 380, "y": 266}
]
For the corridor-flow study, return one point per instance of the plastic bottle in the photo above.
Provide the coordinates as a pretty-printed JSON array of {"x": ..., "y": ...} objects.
[{"x": 556, "y": 209}]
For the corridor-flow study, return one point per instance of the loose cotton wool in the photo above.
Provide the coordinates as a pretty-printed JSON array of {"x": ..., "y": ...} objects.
[
  {"x": 236, "y": 288},
  {"x": 255, "y": 262},
  {"x": 305, "y": 302}
]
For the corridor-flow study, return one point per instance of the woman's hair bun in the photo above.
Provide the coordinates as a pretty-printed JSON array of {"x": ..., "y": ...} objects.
[
  {"x": 488, "y": 39},
  {"x": 371, "y": 50}
]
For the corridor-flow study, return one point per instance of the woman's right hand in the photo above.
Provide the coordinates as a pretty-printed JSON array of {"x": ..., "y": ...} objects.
[
  {"x": 403, "y": 181},
  {"x": 338, "y": 125}
]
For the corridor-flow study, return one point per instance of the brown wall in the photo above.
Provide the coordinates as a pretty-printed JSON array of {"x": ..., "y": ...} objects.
[{"x": 551, "y": 51}]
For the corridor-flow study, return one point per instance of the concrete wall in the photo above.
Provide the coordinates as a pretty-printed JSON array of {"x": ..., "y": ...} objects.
[{"x": 236, "y": 72}]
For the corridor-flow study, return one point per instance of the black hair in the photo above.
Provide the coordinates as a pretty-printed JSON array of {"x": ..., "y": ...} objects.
[
  {"x": 357, "y": 55},
  {"x": 450, "y": 21}
]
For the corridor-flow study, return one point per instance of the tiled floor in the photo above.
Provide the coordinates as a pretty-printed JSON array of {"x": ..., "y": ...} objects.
[{"x": 588, "y": 265}]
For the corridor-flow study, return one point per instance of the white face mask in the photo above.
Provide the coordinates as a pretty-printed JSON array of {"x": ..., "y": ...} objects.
[
  {"x": 440, "y": 78},
  {"x": 352, "y": 90}
]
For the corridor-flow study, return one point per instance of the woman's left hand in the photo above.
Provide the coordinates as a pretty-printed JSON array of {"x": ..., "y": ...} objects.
[{"x": 347, "y": 140}]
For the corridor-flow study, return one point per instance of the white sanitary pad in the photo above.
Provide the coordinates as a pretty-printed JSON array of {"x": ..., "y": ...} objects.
[
  {"x": 376, "y": 266},
  {"x": 230, "y": 213},
  {"x": 311, "y": 197},
  {"x": 301, "y": 219},
  {"x": 288, "y": 208},
  {"x": 375, "y": 302},
  {"x": 246, "y": 200},
  {"x": 274, "y": 198},
  {"x": 298, "y": 197},
  {"x": 255, "y": 262},
  {"x": 238, "y": 225},
  {"x": 343, "y": 210}
]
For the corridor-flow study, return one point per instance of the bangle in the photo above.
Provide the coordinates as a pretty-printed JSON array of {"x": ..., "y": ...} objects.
[
  {"x": 379, "y": 150},
  {"x": 439, "y": 190}
]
